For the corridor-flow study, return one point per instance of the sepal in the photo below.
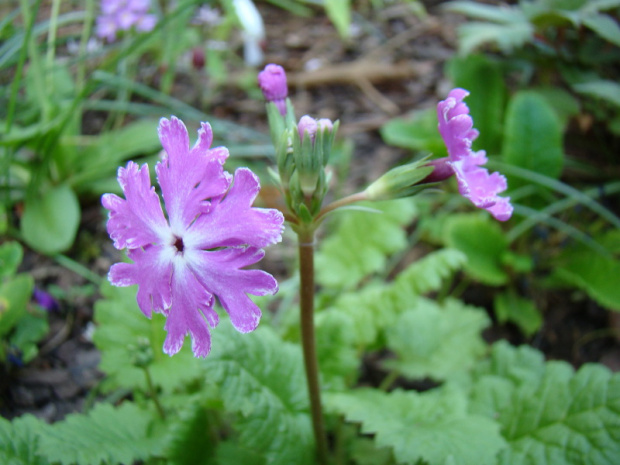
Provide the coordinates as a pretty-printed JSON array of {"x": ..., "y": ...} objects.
[{"x": 402, "y": 181}]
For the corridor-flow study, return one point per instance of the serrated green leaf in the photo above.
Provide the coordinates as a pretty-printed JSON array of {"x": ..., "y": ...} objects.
[
  {"x": 416, "y": 132},
  {"x": 484, "y": 80},
  {"x": 377, "y": 306},
  {"x": 433, "y": 425},
  {"x": 105, "y": 434},
  {"x": 362, "y": 242},
  {"x": 533, "y": 138},
  {"x": 436, "y": 341},
  {"x": 19, "y": 441},
  {"x": 231, "y": 453},
  {"x": 549, "y": 414},
  {"x": 50, "y": 221},
  {"x": 336, "y": 349},
  {"x": 483, "y": 243},
  {"x": 261, "y": 378},
  {"x": 522, "y": 312},
  {"x": 121, "y": 328},
  {"x": 190, "y": 437}
]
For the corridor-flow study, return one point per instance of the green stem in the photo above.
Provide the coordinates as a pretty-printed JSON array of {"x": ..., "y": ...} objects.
[
  {"x": 153, "y": 393},
  {"x": 358, "y": 197},
  {"x": 306, "y": 270}
]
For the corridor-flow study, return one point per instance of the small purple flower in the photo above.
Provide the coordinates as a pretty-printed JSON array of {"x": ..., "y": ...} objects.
[
  {"x": 45, "y": 300},
  {"x": 272, "y": 81},
  {"x": 182, "y": 262},
  {"x": 122, "y": 15},
  {"x": 475, "y": 183}
]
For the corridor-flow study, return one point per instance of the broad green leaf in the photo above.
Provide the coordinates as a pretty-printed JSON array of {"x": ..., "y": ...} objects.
[
  {"x": 15, "y": 294},
  {"x": 507, "y": 37},
  {"x": 563, "y": 102},
  {"x": 595, "y": 274},
  {"x": 608, "y": 91},
  {"x": 51, "y": 220},
  {"x": 483, "y": 243},
  {"x": 19, "y": 441},
  {"x": 605, "y": 26},
  {"x": 362, "y": 242},
  {"x": 533, "y": 137},
  {"x": 517, "y": 310},
  {"x": 29, "y": 330},
  {"x": 11, "y": 254},
  {"x": 416, "y": 132},
  {"x": 433, "y": 426},
  {"x": 339, "y": 12},
  {"x": 261, "y": 378},
  {"x": 105, "y": 434},
  {"x": 549, "y": 414},
  {"x": 121, "y": 328},
  {"x": 499, "y": 14},
  {"x": 484, "y": 80},
  {"x": 104, "y": 153},
  {"x": 436, "y": 341}
]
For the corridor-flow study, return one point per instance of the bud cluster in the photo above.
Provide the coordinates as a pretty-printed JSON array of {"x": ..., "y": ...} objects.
[{"x": 302, "y": 148}]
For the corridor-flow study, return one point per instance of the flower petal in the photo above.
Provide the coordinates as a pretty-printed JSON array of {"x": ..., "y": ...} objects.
[
  {"x": 152, "y": 272},
  {"x": 220, "y": 272},
  {"x": 475, "y": 183},
  {"x": 190, "y": 302},
  {"x": 234, "y": 222},
  {"x": 137, "y": 220},
  {"x": 188, "y": 178}
]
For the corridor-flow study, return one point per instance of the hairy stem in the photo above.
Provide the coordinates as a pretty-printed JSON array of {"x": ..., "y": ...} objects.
[{"x": 306, "y": 269}]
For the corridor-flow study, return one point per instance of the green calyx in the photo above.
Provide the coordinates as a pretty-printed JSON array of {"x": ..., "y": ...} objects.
[{"x": 402, "y": 181}]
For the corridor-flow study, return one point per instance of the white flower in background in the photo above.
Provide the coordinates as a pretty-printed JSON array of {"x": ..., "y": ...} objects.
[{"x": 253, "y": 31}]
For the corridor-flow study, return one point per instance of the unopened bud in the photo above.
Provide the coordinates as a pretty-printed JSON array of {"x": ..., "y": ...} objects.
[
  {"x": 307, "y": 126},
  {"x": 402, "y": 181},
  {"x": 272, "y": 81}
]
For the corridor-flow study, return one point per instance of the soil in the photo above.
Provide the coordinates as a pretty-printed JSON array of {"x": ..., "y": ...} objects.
[{"x": 392, "y": 64}]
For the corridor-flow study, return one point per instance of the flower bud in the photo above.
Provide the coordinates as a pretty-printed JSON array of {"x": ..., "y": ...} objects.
[
  {"x": 272, "y": 81},
  {"x": 307, "y": 125},
  {"x": 402, "y": 181}
]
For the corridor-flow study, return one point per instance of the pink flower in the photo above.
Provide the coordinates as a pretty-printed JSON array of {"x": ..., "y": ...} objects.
[
  {"x": 182, "y": 262},
  {"x": 475, "y": 183},
  {"x": 272, "y": 81}
]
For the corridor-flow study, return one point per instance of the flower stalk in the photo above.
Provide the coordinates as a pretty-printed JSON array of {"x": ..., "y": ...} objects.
[{"x": 308, "y": 340}]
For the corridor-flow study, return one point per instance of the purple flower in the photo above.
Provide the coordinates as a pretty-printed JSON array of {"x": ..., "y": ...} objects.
[
  {"x": 272, "y": 81},
  {"x": 475, "y": 183},
  {"x": 182, "y": 262},
  {"x": 123, "y": 15},
  {"x": 45, "y": 300}
]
